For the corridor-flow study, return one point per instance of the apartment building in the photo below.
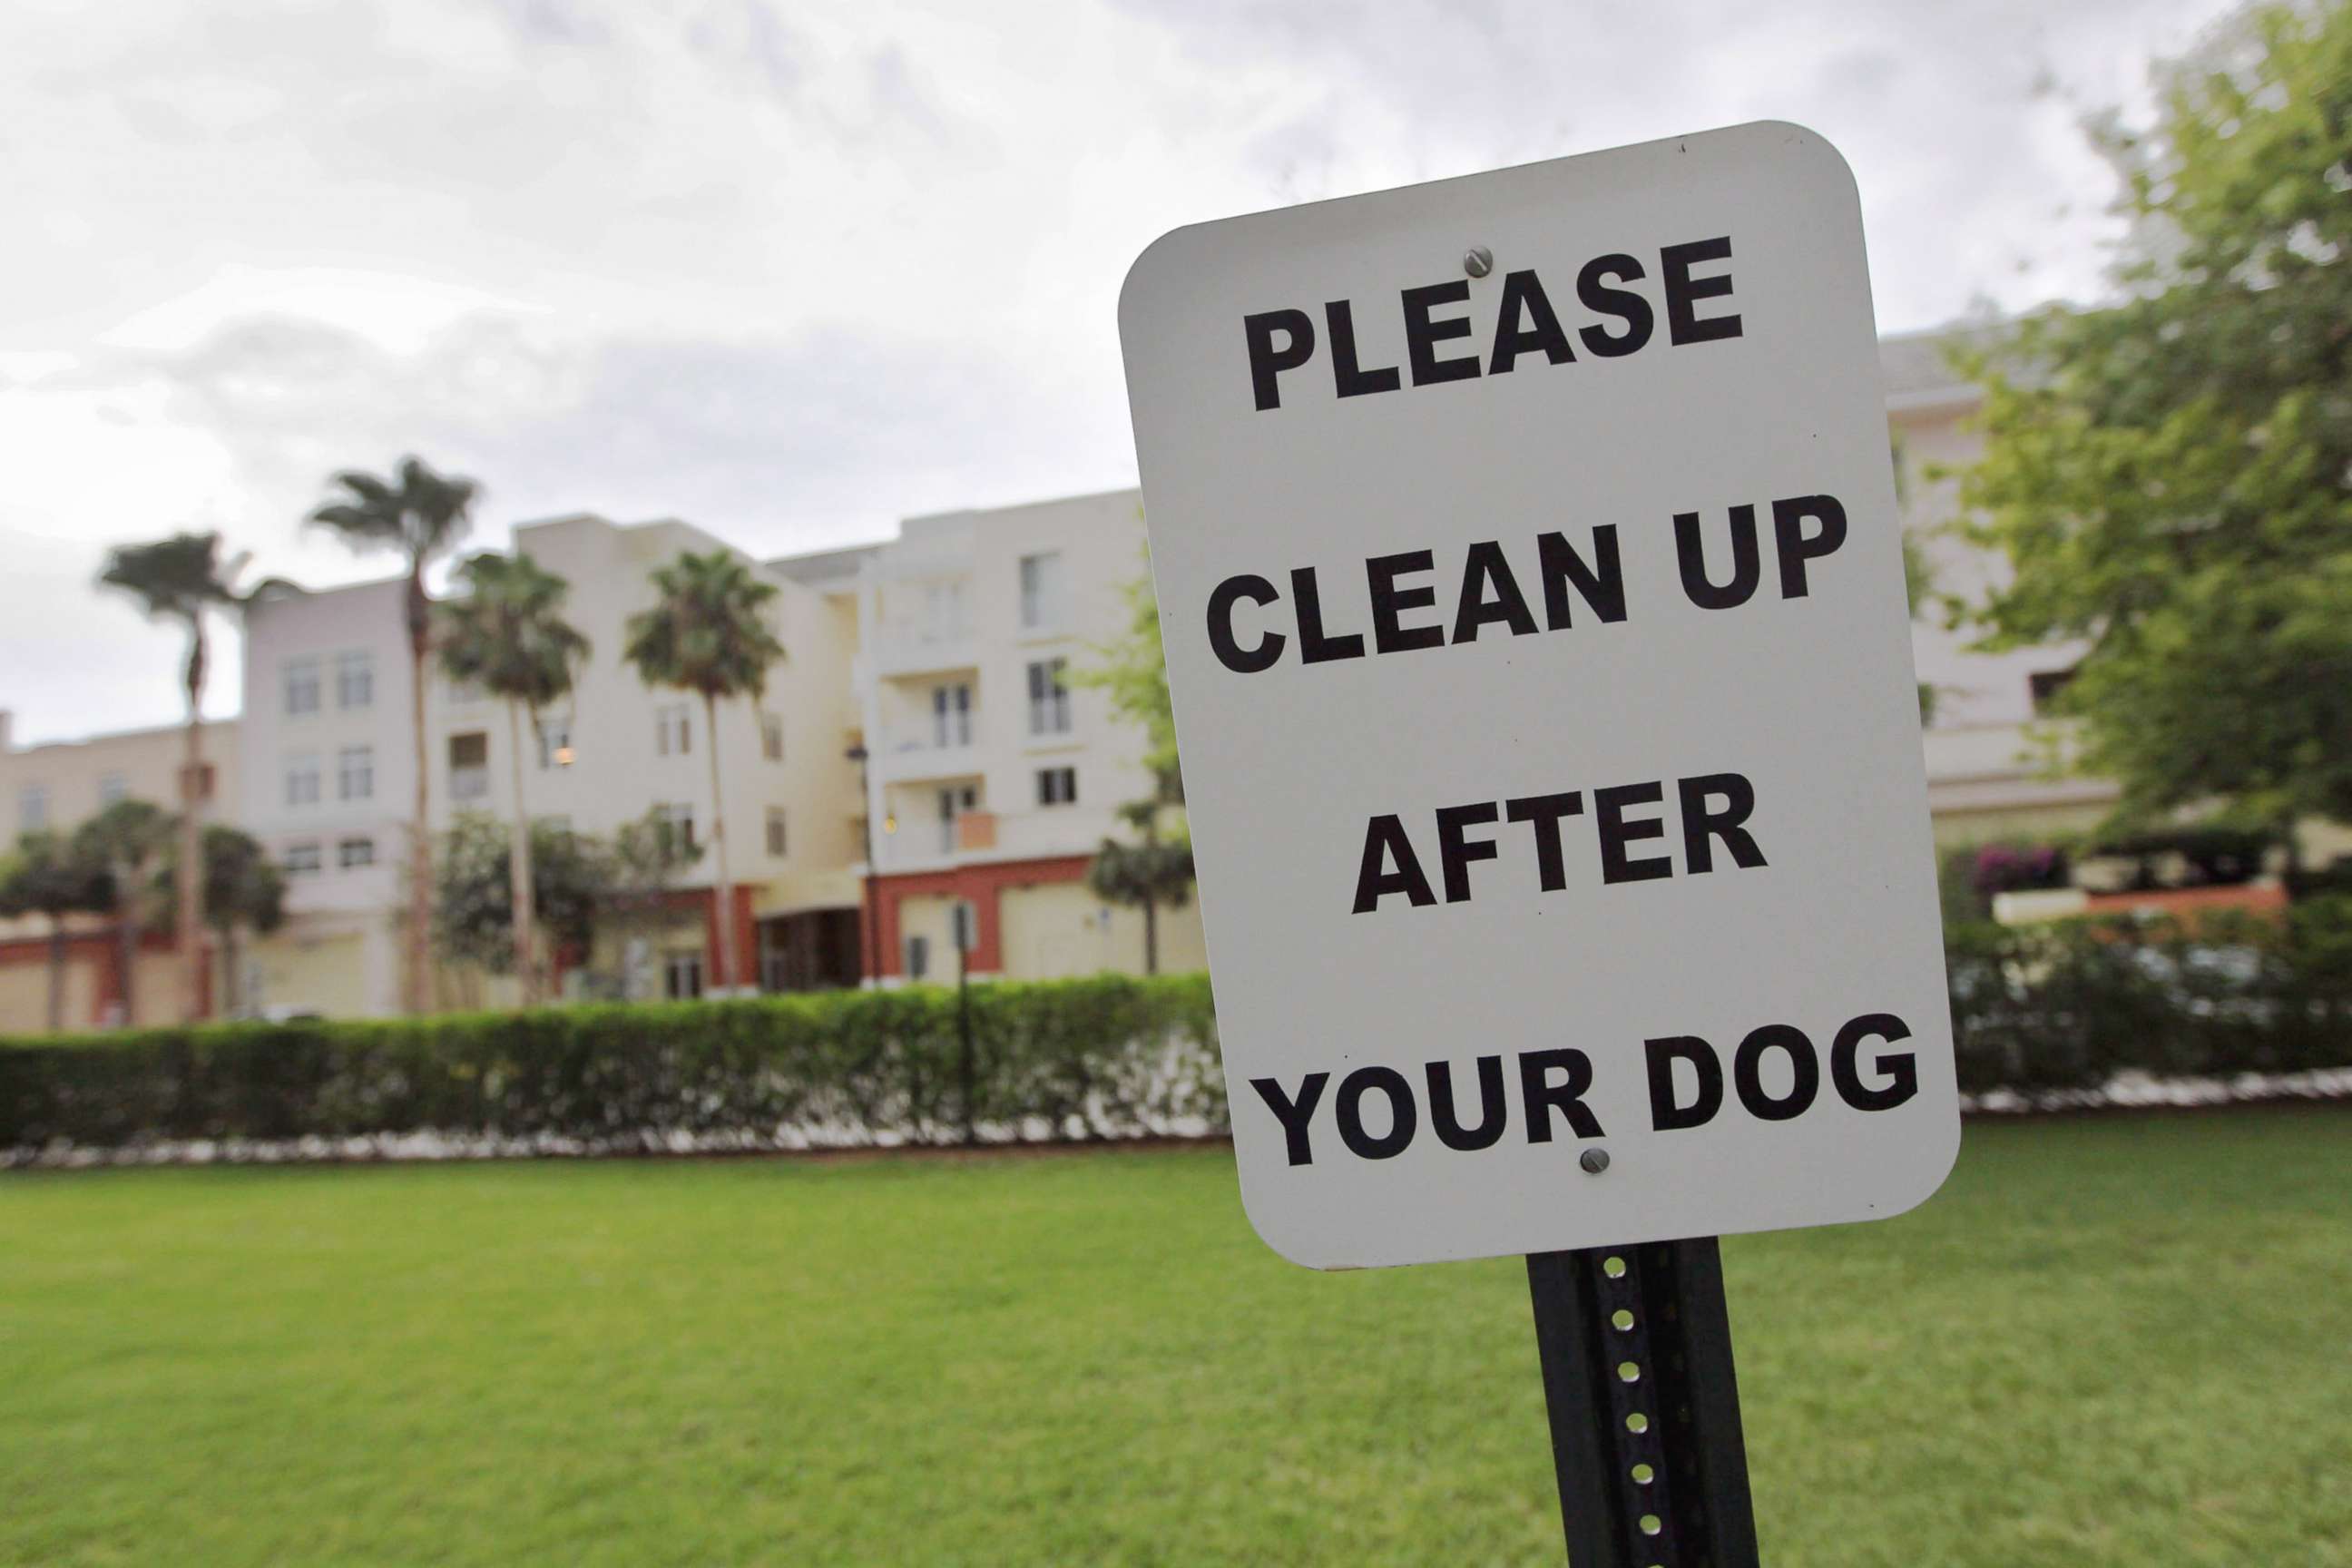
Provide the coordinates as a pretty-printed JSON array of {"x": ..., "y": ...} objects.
[{"x": 58, "y": 786}]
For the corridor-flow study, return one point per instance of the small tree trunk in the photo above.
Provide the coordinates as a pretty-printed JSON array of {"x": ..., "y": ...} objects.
[
  {"x": 189, "y": 878},
  {"x": 519, "y": 868},
  {"x": 57, "y": 973},
  {"x": 725, "y": 903},
  {"x": 126, "y": 927},
  {"x": 232, "y": 972},
  {"x": 420, "y": 835}
]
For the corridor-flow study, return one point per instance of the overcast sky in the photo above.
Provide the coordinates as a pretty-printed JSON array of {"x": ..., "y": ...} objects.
[{"x": 793, "y": 271}]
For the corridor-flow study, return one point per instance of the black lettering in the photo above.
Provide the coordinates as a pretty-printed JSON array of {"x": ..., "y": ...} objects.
[
  {"x": 1702, "y": 822},
  {"x": 1423, "y": 335},
  {"x": 1490, "y": 594},
  {"x": 1795, "y": 547},
  {"x": 1609, "y": 805},
  {"x": 1545, "y": 811},
  {"x": 1267, "y": 362},
  {"x": 1389, "y": 601},
  {"x": 1455, "y": 854},
  {"x": 1684, "y": 291},
  {"x": 1314, "y": 647},
  {"x": 1494, "y": 1109},
  {"x": 1667, "y": 1114},
  {"x": 1403, "y": 1117},
  {"x": 1622, "y": 303},
  {"x": 1523, "y": 296},
  {"x": 1901, "y": 1068},
  {"x": 1601, "y": 586},
  {"x": 1690, "y": 550},
  {"x": 1805, "y": 1084},
  {"x": 1229, "y": 651},
  {"x": 1542, "y": 1098},
  {"x": 1293, "y": 1114},
  {"x": 1385, "y": 839},
  {"x": 1352, "y": 381}
]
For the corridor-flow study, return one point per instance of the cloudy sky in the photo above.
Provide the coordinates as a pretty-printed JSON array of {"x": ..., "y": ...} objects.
[{"x": 793, "y": 269}]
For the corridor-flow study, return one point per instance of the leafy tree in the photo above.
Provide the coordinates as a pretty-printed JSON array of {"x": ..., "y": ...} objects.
[
  {"x": 474, "y": 905},
  {"x": 1133, "y": 669},
  {"x": 708, "y": 633},
  {"x": 48, "y": 877},
  {"x": 508, "y": 634},
  {"x": 2171, "y": 478},
  {"x": 649, "y": 856},
  {"x": 422, "y": 515},
  {"x": 128, "y": 839},
  {"x": 179, "y": 579},
  {"x": 244, "y": 891},
  {"x": 1152, "y": 871}
]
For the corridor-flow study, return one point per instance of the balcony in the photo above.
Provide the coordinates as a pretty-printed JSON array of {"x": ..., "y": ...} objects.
[
  {"x": 915, "y": 751},
  {"x": 929, "y": 844},
  {"x": 904, "y": 649}
]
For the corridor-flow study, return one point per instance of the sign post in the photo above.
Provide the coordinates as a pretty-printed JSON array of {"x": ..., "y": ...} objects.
[{"x": 1530, "y": 578}]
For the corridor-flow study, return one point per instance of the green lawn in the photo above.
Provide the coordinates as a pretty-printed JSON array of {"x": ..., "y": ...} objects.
[{"x": 2122, "y": 1341}]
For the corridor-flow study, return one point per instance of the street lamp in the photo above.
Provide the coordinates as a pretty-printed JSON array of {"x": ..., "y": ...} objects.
[{"x": 873, "y": 964}]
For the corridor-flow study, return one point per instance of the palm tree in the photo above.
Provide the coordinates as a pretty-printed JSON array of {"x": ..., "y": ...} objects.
[
  {"x": 179, "y": 579},
  {"x": 46, "y": 877},
  {"x": 1152, "y": 871},
  {"x": 127, "y": 839},
  {"x": 508, "y": 634},
  {"x": 706, "y": 632},
  {"x": 242, "y": 890},
  {"x": 423, "y": 515}
]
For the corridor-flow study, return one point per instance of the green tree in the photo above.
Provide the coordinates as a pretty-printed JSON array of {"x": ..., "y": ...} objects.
[
  {"x": 649, "y": 856},
  {"x": 2170, "y": 477},
  {"x": 180, "y": 579},
  {"x": 48, "y": 877},
  {"x": 1133, "y": 670},
  {"x": 422, "y": 515},
  {"x": 243, "y": 892},
  {"x": 708, "y": 633},
  {"x": 508, "y": 635},
  {"x": 1154, "y": 871},
  {"x": 129, "y": 839},
  {"x": 476, "y": 907}
]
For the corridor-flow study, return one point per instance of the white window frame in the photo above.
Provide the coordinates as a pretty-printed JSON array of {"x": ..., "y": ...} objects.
[
  {"x": 306, "y": 783},
  {"x": 306, "y": 858},
  {"x": 299, "y": 686},
  {"x": 345, "y": 858},
  {"x": 779, "y": 843},
  {"x": 951, "y": 708},
  {"x": 355, "y": 679},
  {"x": 682, "y": 974},
  {"x": 1041, "y": 591},
  {"x": 355, "y": 764},
  {"x": 673, "y": 730},
  {"x": 1049, "y": 697},
  {"x": 556, "y": 739},
  {"x": 1057, "y": 786},
  {"x": 771, "y": 737},
  {"x": 678, "y": 818},
  {"x": 474, "y": 779}
]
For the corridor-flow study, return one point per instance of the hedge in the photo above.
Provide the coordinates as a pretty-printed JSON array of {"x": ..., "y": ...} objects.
[{"x": 2043, "y": 1011}]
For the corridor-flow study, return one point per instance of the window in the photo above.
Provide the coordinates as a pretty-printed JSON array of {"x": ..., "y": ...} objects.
[
  {"x": 554, "y": 743},
  {"x": 1057, "y": 786},
  {"x": 772, "y": 736},
  {"x": 678, "y": 820},
  {"x": 302, "y": 859},
  {"x": 356, "y": 772},
  {"x": 353, "y": 853},
  {"x": 1041, "y": 592},
  {"x": 776, "y": 831},
  {"x": 919, "y": 957},
  {"x": 469, "y": 765},
  {"x": 1049, "y": 697},
  {"x": 951, "y": 714},
  {"x": 32, "y": 808},
  {"x": 682, "y": 976},
  {"x": 112, "y": 787},
  {"x": 954, "y": 801},
  {"x": 302, "y": 686},
  {"x": 2045, "y": 686},
  {"x": 355, "y": 679},
  {"x": 673, "y": 730},
  {"x": 302, "y": 779}
]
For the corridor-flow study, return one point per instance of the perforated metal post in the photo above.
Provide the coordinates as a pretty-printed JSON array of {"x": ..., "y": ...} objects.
[{"x": 1635, "y": 1346}]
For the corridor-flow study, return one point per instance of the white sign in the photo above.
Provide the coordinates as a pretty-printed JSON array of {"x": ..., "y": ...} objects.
[{"x": 1531, "y": 578}]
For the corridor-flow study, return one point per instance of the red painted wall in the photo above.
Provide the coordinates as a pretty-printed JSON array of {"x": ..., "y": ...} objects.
[{"x": 981, "y": 886}]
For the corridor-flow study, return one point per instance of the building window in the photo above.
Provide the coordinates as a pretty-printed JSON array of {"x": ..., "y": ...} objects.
[
  {"x": 954, "y": 801},
  {"x": 951, "y": 714},
  {"x": 302, "y": 686},
  {"x": 776, "y": 831},
  {"x": 469, "y": 765},
  {"x": 2045, "y": 685},
  {"x": 682, "y": 976},
  {"x": 302, "y": 859},
  {"x": 1049, "y": 697},
  {"x": 356, "y": 772},
  {"x": 673, "y": 730},
  {"x": 355, "y": 680},
  {"x": 302, "y": 779},
  {"x": 353, "y": 853},
  {"x": 772, "y": 736},
  {"x": 32, "y": 808},
  {"x": 112, "y": 787},
  {"x": 919, "y": 957},
  {"x": 1057, "y": 786},
  {"x": 1041, "y": 592},
  {"x": 677, "y": 825},
  {"x": 554, "y": 743}
]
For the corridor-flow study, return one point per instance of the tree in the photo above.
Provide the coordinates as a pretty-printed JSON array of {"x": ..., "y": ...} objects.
[
  {"x": 508, "y": 635},
  {"x": 708, "y": 633},
  {"x": 1156, "y": 869},
  {"x": 179, "y": 579},
  {"x": 648, "y": 856},
  {"x": 423, "y": 515},
  {"x": 476, "y": 906},
  {"x": 1133, "y": 669},
  {"x": 47, "y": 876},
  {"x": 127, "y": 839},
  {"x": 2170, "y": 477},
  {"x": 244, "y": 891}
]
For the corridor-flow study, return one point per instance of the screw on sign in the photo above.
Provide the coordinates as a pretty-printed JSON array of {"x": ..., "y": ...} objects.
[{"x": 1604, "y": 923}]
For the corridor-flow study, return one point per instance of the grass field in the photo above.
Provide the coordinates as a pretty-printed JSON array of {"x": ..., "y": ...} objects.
[{"x": 2118, "y": 1341}]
